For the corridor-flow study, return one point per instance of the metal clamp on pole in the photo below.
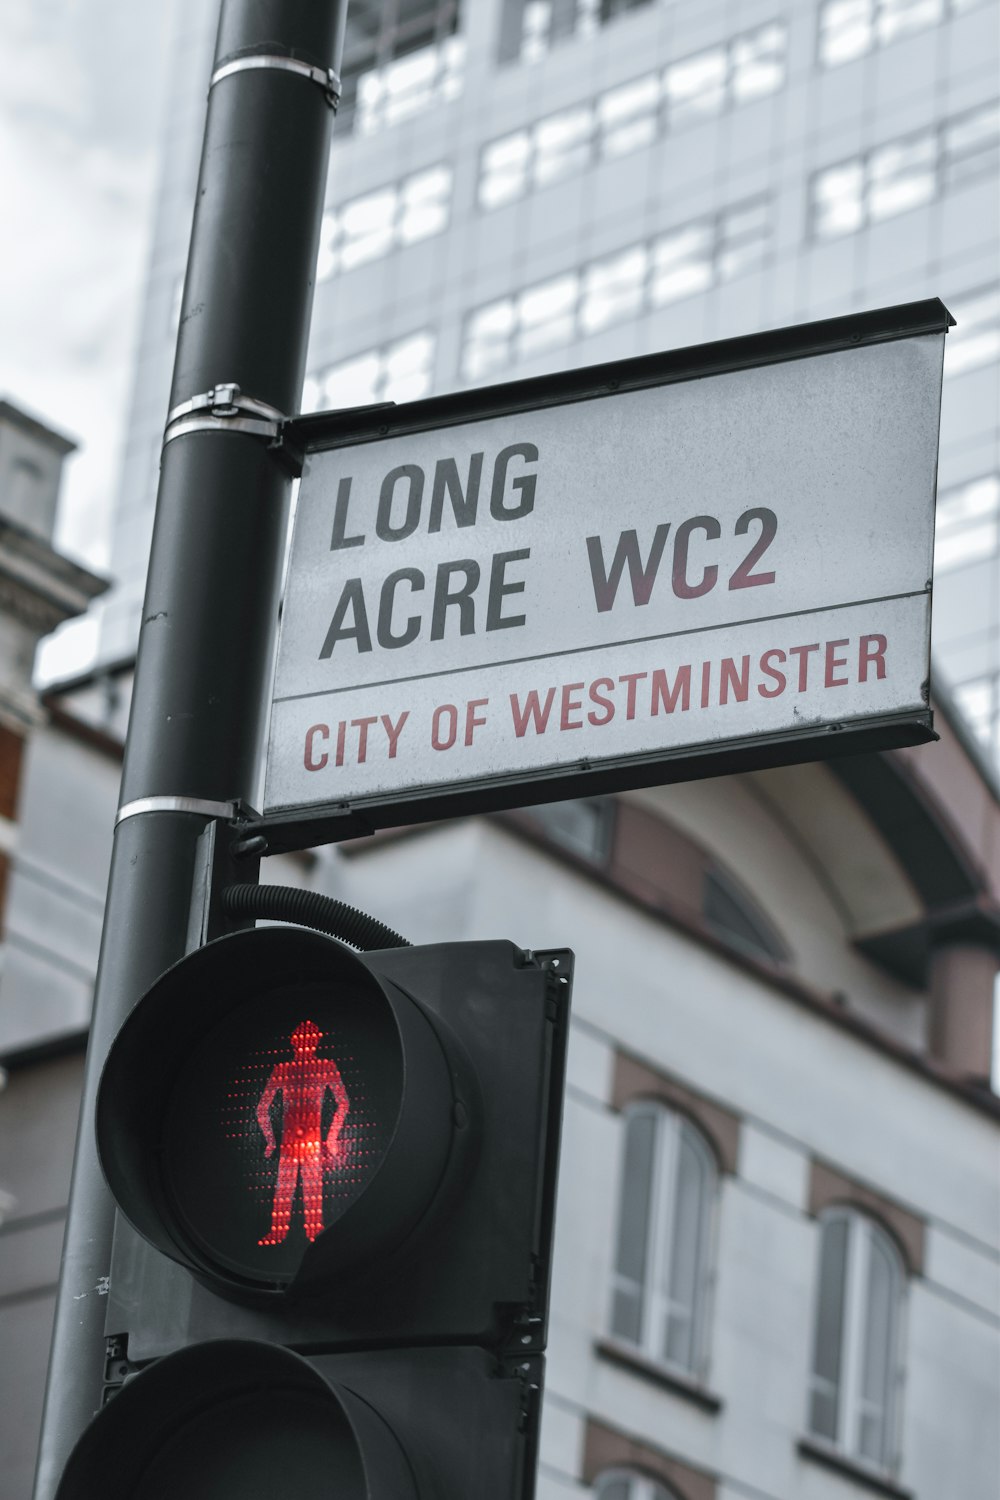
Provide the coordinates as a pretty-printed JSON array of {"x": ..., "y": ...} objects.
[
  {"x": 220, "y": 410},
  {"x": 327, "y": 79},
  {"x": 226, "y": 810}
]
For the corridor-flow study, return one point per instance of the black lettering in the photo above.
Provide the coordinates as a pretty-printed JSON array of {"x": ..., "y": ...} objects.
[
  {"x": 339, "y": 537},
  {"x": 500, "y": 588},
  {"x": 464, "y": 506},
  {"x": 352, "y": 598},
  {"x": 411, "y": 630},
  {"x": 445, "y": 597},
  {"x": 524, "y": 484},
  {"x": 744, "y": 578},
  {"x": 682, "y": 588},
  {"x": 642, "y": 575},
  {"x": 384, "y": 528}
]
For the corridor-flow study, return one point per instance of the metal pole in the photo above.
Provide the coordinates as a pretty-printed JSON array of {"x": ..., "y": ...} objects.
[{"x": 206, "y": 643}]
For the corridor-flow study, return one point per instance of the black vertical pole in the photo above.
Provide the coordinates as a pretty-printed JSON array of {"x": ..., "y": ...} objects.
[{"x": 206, "y": 643}]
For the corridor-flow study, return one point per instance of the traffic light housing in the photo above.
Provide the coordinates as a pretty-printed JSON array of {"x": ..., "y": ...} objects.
[{"x": 342, "y": 1167}]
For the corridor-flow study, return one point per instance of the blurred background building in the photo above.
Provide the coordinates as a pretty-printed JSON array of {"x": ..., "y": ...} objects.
[
  {"x": 519, "y": 185},
  {"x": 777, "y": 1268}
]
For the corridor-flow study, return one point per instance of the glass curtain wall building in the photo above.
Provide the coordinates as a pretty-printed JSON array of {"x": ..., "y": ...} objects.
[{"x": 521, "y": 185}]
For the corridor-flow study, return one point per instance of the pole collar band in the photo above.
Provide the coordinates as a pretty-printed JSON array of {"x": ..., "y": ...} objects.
[
  {"x": 224, "y": 409},
  {"x": 227, "y": 810},
  {"x": 327, "y": 79}
]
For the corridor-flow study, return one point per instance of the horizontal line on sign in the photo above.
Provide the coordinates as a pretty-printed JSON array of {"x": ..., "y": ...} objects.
[{"x": 635, "y": 640}]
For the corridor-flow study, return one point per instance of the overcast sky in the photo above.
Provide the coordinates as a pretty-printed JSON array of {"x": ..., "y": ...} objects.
[{"x": 81, "y": 92}]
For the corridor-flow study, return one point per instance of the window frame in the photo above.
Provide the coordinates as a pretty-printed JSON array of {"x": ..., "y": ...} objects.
[
  {"x": 764, "y": 943},
  {"x": 385, "y": 379},
  {"x": 863, "y": 1232},
  {"x": 950, "y": 168},
  {"x": 344, "y": 248},
  {"x": 875, "y": 16},
  {"x": 592, "y": 126},
  {"x": 657, "y": 1307},
  {"x": 640, "y": 1486},
  {"x": 955, "y": 524},
  {"x": 500, "y": 333},
  {"x": 369, "y": 56}
]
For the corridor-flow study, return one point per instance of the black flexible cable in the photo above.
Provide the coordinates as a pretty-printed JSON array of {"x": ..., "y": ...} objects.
[{"x": 282, "y": 903}]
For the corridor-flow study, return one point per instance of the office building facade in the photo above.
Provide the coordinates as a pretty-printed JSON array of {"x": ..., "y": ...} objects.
[{"x": 520, "y": 185}]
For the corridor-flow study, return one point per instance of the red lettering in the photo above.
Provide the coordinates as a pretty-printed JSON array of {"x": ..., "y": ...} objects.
[
  {"x": 769, "y": 671},
  {"x": 631, "y": 678},
  {"x": 447, "y": 713},
  {"x": 803, "y": 654},
  {"x": 472, "y": 722},
  {"x": 570, "y": 705},
  {"x": 312, "y": 762},
  {"x": 666, "y": 696},
  {"x": 608, "y": 684},
  {"x": 362, "y": 726},
  {"x": 832, "y": 663},
  {"x": 393, "y": 731},
  {"x": 740, "y": 684},
  {"x": 532, "y": 710},
  {"x": 867, "y": 657}
]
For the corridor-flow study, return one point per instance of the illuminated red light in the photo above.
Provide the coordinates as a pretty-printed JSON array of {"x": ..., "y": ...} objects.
[{"x": 303, "y": 1153}]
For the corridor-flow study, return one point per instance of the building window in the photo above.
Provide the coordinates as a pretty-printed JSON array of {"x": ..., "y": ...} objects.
[
  {"x": 660, "y": 1283},
  {"x": 850, "y": 28},
  {"x": 404, "y": 88},
  {"x": 886, "y": 182},
  {"x": 682, "y": 264},
  {"x": 970, "y": 147},
  {"x": 905, "y": 173},
  {"x": 745, "y": 68},
  {"x": 632, "y": 114},
  {"x": 979, "y": 700},
  {"x": 371, "y": 226},
  {"x": 627, "y": 117},
  {"x": 967, "y": 524},
  {"x": 626, "y": 1484},
  {"x": 856, "y": 1359},
  {"x": 731, "y": 915},
  {"x": 531, "y": 28},
  {"x": 743, "y": 239},
  {"x": 975, "y": 340},
  {"x": 615, "y": 288},
  {"x": 546, "y": 315},
  {"x": 400, "y": 56},
  {"x": 583, "y": 826},
  {"x": 397, "y": 372},
  {"x": 901, "y": 176},
  {"x": 25, "y": 486}
]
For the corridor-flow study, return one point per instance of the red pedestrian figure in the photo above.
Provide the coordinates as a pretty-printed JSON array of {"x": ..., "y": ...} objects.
[{"x": 302, "y": 1082}]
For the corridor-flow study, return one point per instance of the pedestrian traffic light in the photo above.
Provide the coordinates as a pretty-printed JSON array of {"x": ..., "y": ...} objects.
[{"x": 345, "y": 1166}]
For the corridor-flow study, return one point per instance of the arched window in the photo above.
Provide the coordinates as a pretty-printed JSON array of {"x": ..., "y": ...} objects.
[
  {"x": 626, "y": 1484},
  {"x": 856, "y": 1345},
  {"x": 733, "y": 915},
  {"x": 664, "y": 1222}
]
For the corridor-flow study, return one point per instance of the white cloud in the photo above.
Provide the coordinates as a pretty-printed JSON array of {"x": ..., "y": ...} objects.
[{"x": 77, "y": 176}]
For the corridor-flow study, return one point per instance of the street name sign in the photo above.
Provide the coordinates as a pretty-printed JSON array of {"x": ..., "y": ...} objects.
[{"x": 702, "y": 561}]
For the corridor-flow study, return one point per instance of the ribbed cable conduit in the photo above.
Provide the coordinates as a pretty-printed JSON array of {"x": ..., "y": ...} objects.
[{"x": 282, "y": 903}]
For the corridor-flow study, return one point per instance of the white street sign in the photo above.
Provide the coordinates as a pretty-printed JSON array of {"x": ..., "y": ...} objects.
[{"x": 600, "y": 585}]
